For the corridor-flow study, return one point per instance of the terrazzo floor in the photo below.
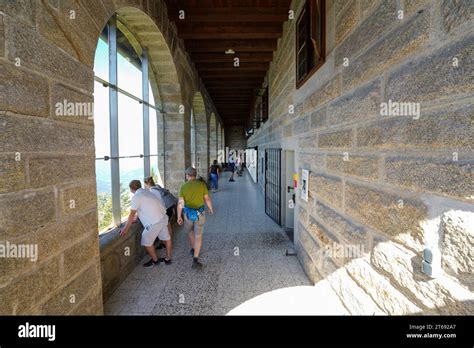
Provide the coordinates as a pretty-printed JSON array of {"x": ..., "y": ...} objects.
[{"x": 243, "y": 253}]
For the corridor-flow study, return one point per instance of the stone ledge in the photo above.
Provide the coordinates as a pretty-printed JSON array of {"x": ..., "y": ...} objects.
[
  {"x": 114, "y": 271},
  {"x": 109, "y": 240}
]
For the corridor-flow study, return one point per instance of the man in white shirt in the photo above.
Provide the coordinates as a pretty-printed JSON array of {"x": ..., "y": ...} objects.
[{"x": 152, "y": 214}]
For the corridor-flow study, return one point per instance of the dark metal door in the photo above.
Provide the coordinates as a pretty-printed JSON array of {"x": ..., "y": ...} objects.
[{"x": 273, "y": 184}]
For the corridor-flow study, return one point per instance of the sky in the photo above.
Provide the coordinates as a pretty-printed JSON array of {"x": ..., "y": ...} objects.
[{"x": 130, "y": 111}]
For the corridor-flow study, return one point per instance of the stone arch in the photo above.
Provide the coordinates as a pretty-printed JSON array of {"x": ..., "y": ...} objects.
[
  {"x": 166, "y": 91},
  {"x": 212, "y": 138},
  {"x": 200, "y": 118},
  {"x": 143, "y": 33}
]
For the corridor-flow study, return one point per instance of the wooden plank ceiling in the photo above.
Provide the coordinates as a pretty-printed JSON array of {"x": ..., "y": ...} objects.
[{"x": 251, "y": 28}]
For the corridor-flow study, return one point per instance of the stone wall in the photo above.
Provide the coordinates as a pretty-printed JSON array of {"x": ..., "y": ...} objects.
[
  {"x": 118, "y": 257},
  {"x": 235, "y": 138},
  {"x": 47, "y": 191},
  {"x": 386, "y": 185},
  {"x": 212, "y": 139},
  {"x": 202, "y": 139}
]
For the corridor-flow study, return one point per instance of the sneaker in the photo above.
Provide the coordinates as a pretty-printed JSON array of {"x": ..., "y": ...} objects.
[
  {"x": 163, "y": 259},
  {"x": 231, "y": 180},
  {"x": 151, "y": 263},
  {"x": 197, "y": 264},
  {"x": 192, "y": 252}
]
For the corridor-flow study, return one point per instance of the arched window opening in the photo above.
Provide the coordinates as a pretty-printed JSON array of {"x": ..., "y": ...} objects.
[{"x": 125, "y": 121}]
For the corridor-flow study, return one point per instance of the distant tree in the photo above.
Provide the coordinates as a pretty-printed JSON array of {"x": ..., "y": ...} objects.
[
  {"x": 153, "y": 174},
  {"x": 104, "y": 210},
  {"x": 125, "y": 200}
]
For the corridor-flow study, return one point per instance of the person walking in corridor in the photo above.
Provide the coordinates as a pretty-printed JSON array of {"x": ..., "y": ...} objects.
[
  {"x": 193, "y": 196},
  {"x": 152, "y": 214},
  {"x": 231, "y": 160},
  {"x": 214, "y": 171}
]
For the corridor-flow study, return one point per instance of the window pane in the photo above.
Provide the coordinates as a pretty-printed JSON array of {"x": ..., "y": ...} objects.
[
  {"x": 153, "y": 145},
  {"x": 155, "y": 171},
  {"x": 301, "y": 68},
  {"x": 130, "y": 169},
  {"x": 153, "y": 132},
  {"x": 129, "y": 77},
  {"x": 104, "y": 195},
  {"x": 101, "y": 61},
  {"x": 302, "y": 49},
  {"x": 101, "y": 120},
  {"x": 151, "y": 98},
  {"x": 130, "y": 120},
  {"x": 155, "y": 137}
]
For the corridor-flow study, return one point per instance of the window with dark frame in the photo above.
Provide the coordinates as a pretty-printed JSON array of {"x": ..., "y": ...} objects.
[
  {"x": 259, "y": 114},
  {"x": 310, "y": 40},
  {"x": 265, "y": 106}
]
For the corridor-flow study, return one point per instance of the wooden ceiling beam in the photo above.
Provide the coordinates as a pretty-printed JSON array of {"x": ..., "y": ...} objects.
[
  {"x": 193, "y": 32},
  {"x": 238, "y": 119},
  {"x": 229, "y": 14},
  {"x": 240, "y": 116},
  {"x": 230, "y": 100},
  {"x": 215, "y": 91},
  {"x": 235, "y": 102},
  {"x": 250, "y": 28},
  {"x": 236, "y": 86},
  {"x": 236, "y": 94},
  {"x": 244, "y": 57},
  {"x": 264, "y": 45},
  {"x": 233, "y": 107},
  {"x": 233, "y": 80},
  {"x": 224, "y": 92},
  {"x": 242, "y": 66},
  {"x": 237, "y": 97},
  {"x": 230, "y": 104},
  {"x": 229, "y": 87},
  {"x": 242, "y": 100},
  {"x": 223, "y": 75},
  {"x": 227, "y": 84}
]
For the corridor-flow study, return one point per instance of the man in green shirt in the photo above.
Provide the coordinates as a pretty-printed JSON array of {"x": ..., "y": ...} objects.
[{"x": 193, "y": 196}]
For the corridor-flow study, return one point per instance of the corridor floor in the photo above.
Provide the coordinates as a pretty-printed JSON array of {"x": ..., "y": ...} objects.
[{"x": 244, "y": 256}]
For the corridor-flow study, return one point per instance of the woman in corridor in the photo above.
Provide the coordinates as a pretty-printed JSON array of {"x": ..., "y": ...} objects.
[{"x": 214, "y": 171}]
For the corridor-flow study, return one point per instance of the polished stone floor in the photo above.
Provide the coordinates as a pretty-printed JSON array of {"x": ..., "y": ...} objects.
[{"x": 244, "y": 256}]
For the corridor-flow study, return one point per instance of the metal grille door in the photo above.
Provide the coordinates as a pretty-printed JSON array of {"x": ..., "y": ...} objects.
[{"x": 273, "y": 184}]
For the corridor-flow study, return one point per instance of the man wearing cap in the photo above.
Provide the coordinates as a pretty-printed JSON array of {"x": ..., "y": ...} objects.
[{"x": 193, "y": 196}]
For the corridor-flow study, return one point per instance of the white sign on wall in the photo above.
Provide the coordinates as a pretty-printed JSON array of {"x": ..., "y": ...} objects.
[
  {"x": 251, "y": 163},
  {"x": 304, "y": 184}
]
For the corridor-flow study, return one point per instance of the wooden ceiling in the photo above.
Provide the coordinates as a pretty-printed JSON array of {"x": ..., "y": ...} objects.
[{"x": 251, "y": 28}]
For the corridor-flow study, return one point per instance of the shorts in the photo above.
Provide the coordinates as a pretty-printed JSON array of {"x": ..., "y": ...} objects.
[
  {"x": 197, "y": 227},
  {"x": 160, "y": 230},
  {"x": 169, "y": 212},
  {"x": 232, "y": 167}
]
